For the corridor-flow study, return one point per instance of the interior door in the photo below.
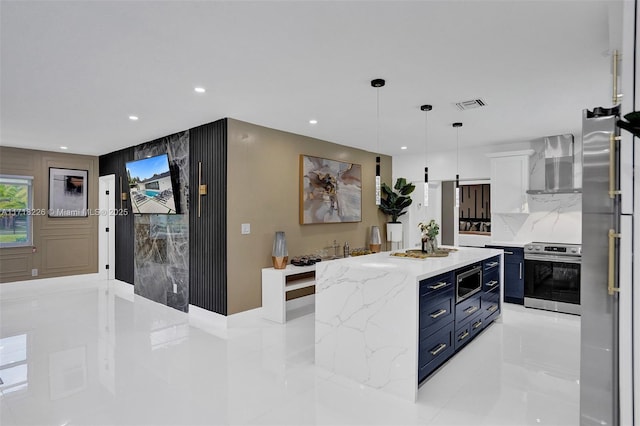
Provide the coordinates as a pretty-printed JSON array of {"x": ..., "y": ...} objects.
[{"x": 107, "y": 227}]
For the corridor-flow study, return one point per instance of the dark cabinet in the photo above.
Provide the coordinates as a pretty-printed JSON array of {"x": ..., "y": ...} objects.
[
  {"x": 447, "y": 326},
  {"x": 437, "y": 310},
  {"x": 513, "y": 274}
]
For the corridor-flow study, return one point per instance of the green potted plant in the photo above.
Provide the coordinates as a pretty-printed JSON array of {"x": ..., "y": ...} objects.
[{"x": 394, "y": 203}]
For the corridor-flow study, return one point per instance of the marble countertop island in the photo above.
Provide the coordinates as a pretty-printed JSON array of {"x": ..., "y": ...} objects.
[{"x": 366, "y": 325}]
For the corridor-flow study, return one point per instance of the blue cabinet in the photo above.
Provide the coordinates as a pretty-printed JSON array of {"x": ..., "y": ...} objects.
[
  {"x": 446, "y": 327},
  {"x": 513, "y": 274},
  {"x": 437, "y": 310}
]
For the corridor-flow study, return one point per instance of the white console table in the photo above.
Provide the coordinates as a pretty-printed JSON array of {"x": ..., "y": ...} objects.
[{"x": 280, "y": 285}]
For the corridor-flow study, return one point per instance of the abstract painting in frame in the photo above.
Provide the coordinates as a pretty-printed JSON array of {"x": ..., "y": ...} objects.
[
  {"x": 330, "y": 191},
  {"x": 67, "y": 192}
]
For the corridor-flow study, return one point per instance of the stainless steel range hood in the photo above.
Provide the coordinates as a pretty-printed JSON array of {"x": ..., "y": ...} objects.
[{"x": 558, "y": 166}]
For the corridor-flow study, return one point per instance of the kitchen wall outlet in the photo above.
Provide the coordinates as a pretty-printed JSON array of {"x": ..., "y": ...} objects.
[
  {"x": 175, "y": 288},
  {"x": 34, "y": 272},
  {"x": 246, "y": 228}
]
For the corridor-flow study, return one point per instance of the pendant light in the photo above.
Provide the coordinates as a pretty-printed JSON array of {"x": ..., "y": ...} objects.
[
  {"x": 426, "y": 108},
  {"x": 457, "y": 127},
  {"x": 378, "y": 83}
]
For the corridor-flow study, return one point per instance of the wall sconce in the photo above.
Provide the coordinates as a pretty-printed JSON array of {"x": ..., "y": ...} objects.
[
  {"x": 202, "y": 188},
  {"x": 123, "y": 195}
]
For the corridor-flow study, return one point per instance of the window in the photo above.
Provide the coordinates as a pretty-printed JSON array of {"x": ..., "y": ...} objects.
[{"x": 16, "y": 207}]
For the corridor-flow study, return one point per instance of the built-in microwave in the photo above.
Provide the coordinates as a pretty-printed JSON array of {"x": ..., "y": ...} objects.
[{"x": 468, "y": 281}]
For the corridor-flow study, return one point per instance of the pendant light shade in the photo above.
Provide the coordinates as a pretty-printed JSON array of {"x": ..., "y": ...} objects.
[
  {"x": 426, "y": 108},
  {"x": 457, "y": 127},
  {"x": 378, "y": 83}
]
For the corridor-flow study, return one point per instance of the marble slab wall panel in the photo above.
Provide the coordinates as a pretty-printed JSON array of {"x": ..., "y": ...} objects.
[
  {"x": 366, "y": 326},
  {"x": 162, "y": 241},
  {"x": 554, "y": 218}
]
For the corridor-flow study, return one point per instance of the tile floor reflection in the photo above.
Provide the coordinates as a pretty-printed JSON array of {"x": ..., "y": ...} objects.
[{"x": 79, "y": 351}]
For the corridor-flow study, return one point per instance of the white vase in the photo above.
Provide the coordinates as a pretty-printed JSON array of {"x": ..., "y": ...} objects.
[{"x": 394, "y": 232}]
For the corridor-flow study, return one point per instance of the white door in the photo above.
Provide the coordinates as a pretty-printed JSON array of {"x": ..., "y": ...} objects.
[{"x": 107, "y": 227}]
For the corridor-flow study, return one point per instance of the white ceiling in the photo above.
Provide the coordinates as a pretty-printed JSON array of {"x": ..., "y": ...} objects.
[{"x": 72, "y": 72}]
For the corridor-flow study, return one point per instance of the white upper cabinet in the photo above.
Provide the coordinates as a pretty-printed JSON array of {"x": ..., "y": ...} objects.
[{"x": 510, "y": 181}]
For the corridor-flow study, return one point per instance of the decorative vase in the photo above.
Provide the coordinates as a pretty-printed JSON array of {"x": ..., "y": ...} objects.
[
  {"x": 429, "y": 245},
  {"x": 375, "y": 243},
  {"x": 279, "y": 255},
  {"x": 394, "y": 232}
]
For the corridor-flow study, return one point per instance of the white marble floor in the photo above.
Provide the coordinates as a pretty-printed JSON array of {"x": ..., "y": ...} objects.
[{"x": 79, "y": 351}]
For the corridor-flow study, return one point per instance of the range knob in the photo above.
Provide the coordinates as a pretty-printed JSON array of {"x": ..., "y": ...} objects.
[
  {"x": 537, "y": 248},
  {"x": 574, "y": 250}
]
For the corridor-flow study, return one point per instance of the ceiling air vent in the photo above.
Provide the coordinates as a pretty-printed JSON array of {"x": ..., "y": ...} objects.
[{"x": 473, "y": 103}]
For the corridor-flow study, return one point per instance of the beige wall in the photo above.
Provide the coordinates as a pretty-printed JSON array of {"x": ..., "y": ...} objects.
[
  {"x": 263, "y": 190},
  {"x": 64, "y": 246}
]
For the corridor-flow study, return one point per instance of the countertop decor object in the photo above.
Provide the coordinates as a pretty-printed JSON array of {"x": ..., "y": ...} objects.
[
  {"x": 430, "y": 231},
  {"x": 279, "y": 254},
  {"x": 375, "y": 243}
]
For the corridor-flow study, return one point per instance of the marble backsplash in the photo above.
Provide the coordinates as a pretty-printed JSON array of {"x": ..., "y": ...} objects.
[
  {"x": 551, "y": 218},
  {"x": 161, "y": 265}
]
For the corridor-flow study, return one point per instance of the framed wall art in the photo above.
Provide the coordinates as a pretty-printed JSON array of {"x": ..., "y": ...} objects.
[
  {"x": 330, "y": 191},
  {"x": 67, "y": 192}
]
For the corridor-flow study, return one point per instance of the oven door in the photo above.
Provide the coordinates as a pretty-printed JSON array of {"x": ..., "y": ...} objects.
[{"x": 554, "y": 278}]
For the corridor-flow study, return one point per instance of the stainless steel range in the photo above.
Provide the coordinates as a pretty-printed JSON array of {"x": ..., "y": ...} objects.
[{"x": 552, "y": 277}]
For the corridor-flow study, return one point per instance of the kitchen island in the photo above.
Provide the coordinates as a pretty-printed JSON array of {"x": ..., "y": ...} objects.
[{"x": 389, "y": 322}]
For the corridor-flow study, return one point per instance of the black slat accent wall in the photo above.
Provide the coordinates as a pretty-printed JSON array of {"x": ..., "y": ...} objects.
[
  {"x": 208, "y": 233},
  {"x": 114, "y": 164}
]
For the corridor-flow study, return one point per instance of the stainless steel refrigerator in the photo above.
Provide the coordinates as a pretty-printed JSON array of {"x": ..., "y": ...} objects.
[{"x": 599, "y": 301}]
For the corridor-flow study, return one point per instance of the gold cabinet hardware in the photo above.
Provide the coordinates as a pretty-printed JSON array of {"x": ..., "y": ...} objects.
[
  {"x": 611, "y": 284},
  {"x": 437, "y": 314},
  {"x": 463, "y": 335},
  {"x": 439, "y": 349},
  {"x": 612, "y": 166},
  {"x": 471, "y": 310},
  {"x": 437, "y": 286},
  {"x": 493, "y": 308},
  {"x": 202, "y": 188},
  {"x": 616, "y": 59}
]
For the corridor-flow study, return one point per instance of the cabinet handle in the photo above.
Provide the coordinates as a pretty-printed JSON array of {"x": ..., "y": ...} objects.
[
  {"x": 463, "y": 335},
  {"x": 508, "y": 252},
  {"x": 471, "y": 310},
  {"x": 492, "y": 308},
  {"x": 520, "y": 265},
  {"x": 477, "y": 324},
  {"x": 492, "y": 283},
  {"x": 611, "y": 282},
  {"x": 437, "y": 314},
  {"x": 439, "y": 285},
  {"x": 438, "y": 350},
  {"x": 492, "y": 264}
]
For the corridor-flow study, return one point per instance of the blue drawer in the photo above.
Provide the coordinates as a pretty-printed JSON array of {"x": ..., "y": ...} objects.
[
  {"x": 491, "y": 280},
  {"x": 434, "y": 350},
  {"x": 490, "y": 305},
  {"x": 436, "y": 309},
  {"x": 491, "y": 264},
  {"x": 468, "y": 308},
  {"x": 441, "y": 282},
  {"x": 468, "y": 330}
]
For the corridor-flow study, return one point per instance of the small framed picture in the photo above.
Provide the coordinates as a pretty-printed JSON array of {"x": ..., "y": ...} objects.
[{"x": 67, "y": 192}]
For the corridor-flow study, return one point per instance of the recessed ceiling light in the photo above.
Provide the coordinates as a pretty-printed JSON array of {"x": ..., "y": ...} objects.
[
  {"x": 403, "y": 147},
  {"x": 148, "y": 156},
  {"x": 313, "y": 121},
  {"x": 199, "y": 89},
  {"x": 133, "y": 118},
  {"x": 64, "y": 147}
]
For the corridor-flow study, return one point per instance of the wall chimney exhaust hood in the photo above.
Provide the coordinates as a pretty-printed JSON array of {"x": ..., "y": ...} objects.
[{"x": 558, "y": 166}]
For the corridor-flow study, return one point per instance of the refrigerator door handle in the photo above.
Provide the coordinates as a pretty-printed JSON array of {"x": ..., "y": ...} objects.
[
  {"x": 612, "y": 166},
  {"x": 611, "y": 285}
]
